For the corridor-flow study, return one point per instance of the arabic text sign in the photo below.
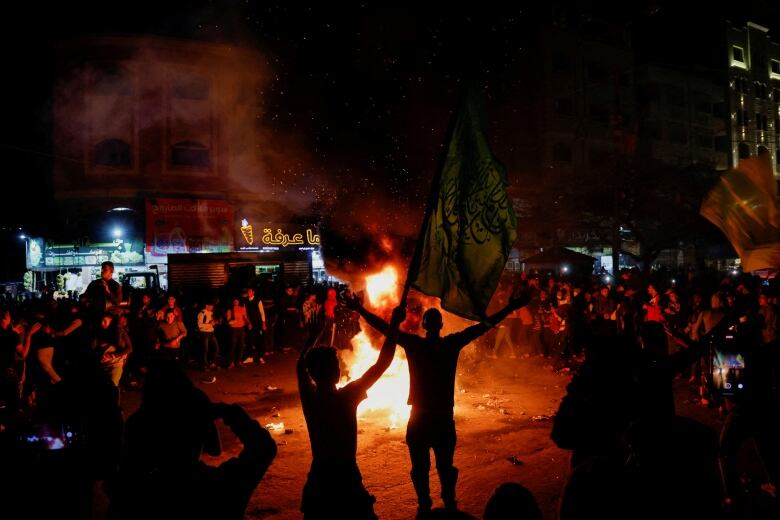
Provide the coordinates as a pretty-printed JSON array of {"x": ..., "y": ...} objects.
[
  {"x": 188, "y": 226},
  {"x": 256, "y": 237}
]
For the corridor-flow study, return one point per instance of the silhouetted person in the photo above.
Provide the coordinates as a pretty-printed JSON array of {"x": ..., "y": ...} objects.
[
  {"x": 102, "y": 294},
  {"x": 433, "y": 361},
  {"x": 512, "y": 501},
  {"x": 334, "y": 488},
  {"x": 161, "y": 475}
]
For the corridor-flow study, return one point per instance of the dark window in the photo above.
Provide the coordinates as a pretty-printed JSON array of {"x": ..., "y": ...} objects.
[
  {"x": 563, "y": 107},
  {"x": 703, "y": 104},
  {"x": 192, "y": 88},
  {"x": 676, "y": 133},
  {"x": 650, "y": 130},
  {"x": 777, "y": 158},
  {"x": 598, "y": 156},
  {"x": 741, "y": 85},
  {"x": 675, "y": 96},
  {"x": 561, "y": 61},
  {"x": 703, "y": 138},
  {"x": 190, "y": 153},
  {"x": 775, "y": 64},
  {"x": 742, "y": 119},
  {"x": 762, "y": 150},
  {"x": 761, "y": 122},
  {"x": 743, "y": 151},
  {"x": 562, "y": 153},
  {"x": 111, "y": 81},
  {"x": 596, "y": 71},
  {"x": 737, "y": 54},
  {"x": 760, "y": 90},
  {"x": 722, "y": 143},
  {"x": 776, "y": 95},
  {"x": 599, "y": 113},
  {"x": 112, "y": 152}
]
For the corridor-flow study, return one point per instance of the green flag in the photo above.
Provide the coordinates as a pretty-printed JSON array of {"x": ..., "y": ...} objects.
[
  {"x": 472, "y": 225},
  {"x": 743, "y": 205}
]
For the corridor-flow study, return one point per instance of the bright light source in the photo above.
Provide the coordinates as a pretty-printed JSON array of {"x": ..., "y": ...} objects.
[
  {"x": 22, "y": 237},
  {"x": 674, "y": 281},
  {"x": 606, "y": 278},
  {"x": 117, "y": 232},
  {"x": 734, "y": 271},
  {"x": 565, "y": 269}
]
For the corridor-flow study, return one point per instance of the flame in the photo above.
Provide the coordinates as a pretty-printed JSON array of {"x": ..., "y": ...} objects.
[
  {"x": 388, "y": 396},
  {"x": 382, "y": 288}
]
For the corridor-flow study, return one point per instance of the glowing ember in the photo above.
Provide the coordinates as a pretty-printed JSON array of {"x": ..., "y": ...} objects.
[{"x": 388, "y": 396}]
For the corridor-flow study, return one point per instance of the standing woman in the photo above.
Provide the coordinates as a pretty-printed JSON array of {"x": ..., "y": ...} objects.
[{"x": 237, "y": 321}]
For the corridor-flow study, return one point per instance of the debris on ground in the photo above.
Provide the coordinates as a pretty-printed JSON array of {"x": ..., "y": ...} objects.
[
  {"x": 288, "y": 431},
  {"x": 275, "y": 427},
  {"x": 514, "y": 460},
  {"x": 281, "y": 443},
  {"x": 275, "y": 415},
  {"x": 542, "y": 417},
  {"x": 272, "y": 388},
  {"x": 209, "y": 380}
]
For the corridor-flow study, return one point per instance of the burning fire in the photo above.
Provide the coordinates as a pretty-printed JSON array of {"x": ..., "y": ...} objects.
[{"x": 388, "y": 395}]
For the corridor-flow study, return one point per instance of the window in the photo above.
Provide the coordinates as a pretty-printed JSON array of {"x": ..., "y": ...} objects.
[
  {"x": 703, "y": 138},
  {"x": 598, "y": 156},
  {"x": 737, "y": 55},
  {"x": 675, "y": 96},
  {"x": 111, "y": 152},
  {"x": 561, "y": 62},
  {"x": 742, "y": 119},
  {"x": 650, "y": 130},
  {"x": 703, "y": 103},
  {"x": 111, "y": 80},
  {"x": 676, "y": 133},
  {"x": 596, "y": 71},
  {"x": 777, "y": 158},
  {"x": 563, "y": 107},
  {"x": 774, "y": 67},
  {"x": 190, "y": 153},
  {"x": 190, "y": 88},
  {"x": 762, "y": 150},
  {"x": 722, "y": 143},
  {"x": 599, "y": 113},
  {"x": 760, "y": 122},
  {"x": 743, "y": 151},
  {"x": 741, "y": 85},
  {"x": 760, "y": 90},
  {"x": 561, "y": 153}
]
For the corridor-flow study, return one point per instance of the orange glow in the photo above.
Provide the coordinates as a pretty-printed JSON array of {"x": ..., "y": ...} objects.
[
  {"x": 382, "y": 288},
  {"x": 387, "y": 398}
]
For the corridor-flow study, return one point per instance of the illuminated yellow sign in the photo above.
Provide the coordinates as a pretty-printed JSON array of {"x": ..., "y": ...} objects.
[{"x": 276, "y": 236}]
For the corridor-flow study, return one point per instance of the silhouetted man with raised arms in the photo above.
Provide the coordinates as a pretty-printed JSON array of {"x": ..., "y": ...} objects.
[
  {"x": 433, "y": 362},
  {"x": 334, "y": 488}
]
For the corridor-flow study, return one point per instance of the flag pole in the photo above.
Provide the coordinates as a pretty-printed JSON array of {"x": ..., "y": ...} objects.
[{"x": 433, "y": 199}]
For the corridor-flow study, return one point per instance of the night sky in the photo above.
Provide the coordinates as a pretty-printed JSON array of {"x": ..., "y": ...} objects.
[{"x": 364, "y": 92}]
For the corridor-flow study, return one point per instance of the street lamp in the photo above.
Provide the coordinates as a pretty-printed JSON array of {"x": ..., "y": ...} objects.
[{"x": 117, "y": 232}]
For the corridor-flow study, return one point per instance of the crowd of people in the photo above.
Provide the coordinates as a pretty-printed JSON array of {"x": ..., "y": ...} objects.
[{"x": 626, "y": 340}]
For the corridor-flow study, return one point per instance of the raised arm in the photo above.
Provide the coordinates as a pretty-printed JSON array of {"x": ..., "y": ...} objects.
[
  {"x": 471, "y": 333},
  {"x": 371, "y": 376},
  {"x": 305, "y": 385},
  {"x": 372, "y": 319}
]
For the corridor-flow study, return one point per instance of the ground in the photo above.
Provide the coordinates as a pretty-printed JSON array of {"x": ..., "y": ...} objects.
[{"x": 502, "y": 416}]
